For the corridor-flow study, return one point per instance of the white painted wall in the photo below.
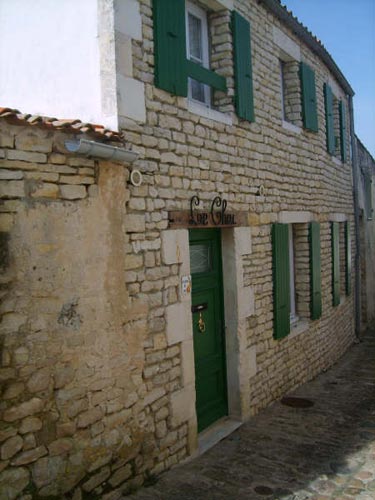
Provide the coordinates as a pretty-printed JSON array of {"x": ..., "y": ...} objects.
[{"x": 50, "y": 59}]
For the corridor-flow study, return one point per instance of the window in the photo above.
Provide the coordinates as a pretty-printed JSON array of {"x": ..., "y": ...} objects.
[
  {"x": 182, "y": 54},
  {"x": 296, "y": 275},
  {"x": 341, "y": 260},
  {"x": 290, "y": 92},
  {"x": 335, "y": 118},
  {"x": 197, "y": 50}
]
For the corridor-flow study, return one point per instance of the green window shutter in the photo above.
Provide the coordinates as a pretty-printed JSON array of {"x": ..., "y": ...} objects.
[
  {"x": 330, "y": 131},
  {"x": 342, "y": 130},
  {"x": 315, "y": 271},
  {"x": 368, "y": 195},
  {"x": 348, "y": 259},
  {"x": 308, "y": 93},
  {"x": 206, "y": 76},
  {"x": 281, "y": 280},
  {"x": 170, "y": 46},
  {"x": 335, "y": 263},
  {"x": 242, "y": 67}
]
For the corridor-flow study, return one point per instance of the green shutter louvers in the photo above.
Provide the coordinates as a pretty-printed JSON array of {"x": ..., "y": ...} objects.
[
  {"x": 244, "y": 100},
  {"x": 330, "y": 130},
  {"x": 348, "y": 259},
  {"x": 170, "y": 46},
  {"x": 281, "y": 280},
  {"x": 335, "y": 263},
  {"x": 342, "y": 130},
  {"x": 315, "y": 271},
  {"x": 308, "y": 94}
]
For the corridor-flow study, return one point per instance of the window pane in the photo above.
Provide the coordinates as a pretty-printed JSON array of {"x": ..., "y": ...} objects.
[
  {"x": 199, "y": 258},
  {"x": 197, "y": 91},
  {"x": 195, "y": 38}
]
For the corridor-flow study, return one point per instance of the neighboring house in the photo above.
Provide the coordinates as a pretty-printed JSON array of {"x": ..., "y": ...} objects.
[
  {"x": 367, "y": 233},
  {"x": 139, "y": 310}
]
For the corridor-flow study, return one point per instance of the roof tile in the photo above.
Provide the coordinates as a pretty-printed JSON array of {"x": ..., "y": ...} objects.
[{"x": 15, "y": 117}]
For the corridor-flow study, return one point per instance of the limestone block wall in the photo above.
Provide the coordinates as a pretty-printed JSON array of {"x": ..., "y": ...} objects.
[
  {"x": 71, "y": 377},
  {"x": 366, "y": 179},
  {"x": 185, "y": 151}
]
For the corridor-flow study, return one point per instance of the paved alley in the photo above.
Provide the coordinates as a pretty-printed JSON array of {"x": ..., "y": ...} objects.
[{"x": 325, "y": 451}]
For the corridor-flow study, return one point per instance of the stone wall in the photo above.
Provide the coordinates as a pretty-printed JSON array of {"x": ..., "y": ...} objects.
[
  {"x": 98, "y": 365},
  {"x": 71, "y": 356},
  {"x": 367, "y": 234},
  {"x": 185, "y": 153}
]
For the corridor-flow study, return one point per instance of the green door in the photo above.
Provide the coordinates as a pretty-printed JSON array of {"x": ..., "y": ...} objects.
[{"x": 208, "y": 326}]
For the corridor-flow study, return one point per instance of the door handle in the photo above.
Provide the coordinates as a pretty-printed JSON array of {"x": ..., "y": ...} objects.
[{"x": 201, "y": 323}]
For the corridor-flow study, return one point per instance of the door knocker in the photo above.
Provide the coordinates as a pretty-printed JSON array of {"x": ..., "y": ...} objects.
[{"x": 201, "y": 324}]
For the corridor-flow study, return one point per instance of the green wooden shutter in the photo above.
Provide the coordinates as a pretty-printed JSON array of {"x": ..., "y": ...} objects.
[
  {"x": 308, "y": 93},
  {"x": 348, "y": 259},
  {"x": 242, "y": 67},
  {"x": 335, "y": 263},
  {"x": 330, "y": 131},
  {"x": 170, "y": 46},
  {"x": 342, "y": 130},
  {"x": 315, "y": 271},
  {"x": 368, "y": 195},
  {"x": 281, "y": 280}
]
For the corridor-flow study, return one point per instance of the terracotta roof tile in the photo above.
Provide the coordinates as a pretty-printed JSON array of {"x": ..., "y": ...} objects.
[{"x": 15, "y": 117}]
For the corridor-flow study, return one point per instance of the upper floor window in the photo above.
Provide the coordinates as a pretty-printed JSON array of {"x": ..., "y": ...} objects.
[
  {"x": 182, "y": 54},
  {"x": 197, "y": 50},
  {"x": 335, "y": 121},
  {"x": 290, "y": 92}
]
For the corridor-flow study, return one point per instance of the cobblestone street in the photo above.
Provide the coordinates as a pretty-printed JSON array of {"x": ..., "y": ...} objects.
[{"x": 326, "y": 451}]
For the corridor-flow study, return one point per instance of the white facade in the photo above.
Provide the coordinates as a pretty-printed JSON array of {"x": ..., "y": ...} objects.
[{"x": 50, "y": 60}]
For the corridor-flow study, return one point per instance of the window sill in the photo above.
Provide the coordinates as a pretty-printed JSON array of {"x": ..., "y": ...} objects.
[
  {"x": 292, "y": 128},
  {"x": 209, "y": 113},
  {"x": 297, "y": 328}
]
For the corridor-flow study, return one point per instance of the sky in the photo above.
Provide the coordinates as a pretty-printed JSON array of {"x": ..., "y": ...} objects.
[{"x": 347, "y": 30}]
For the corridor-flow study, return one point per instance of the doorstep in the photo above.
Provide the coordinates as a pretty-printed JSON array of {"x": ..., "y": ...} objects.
[{"x": 216, "y": 432}]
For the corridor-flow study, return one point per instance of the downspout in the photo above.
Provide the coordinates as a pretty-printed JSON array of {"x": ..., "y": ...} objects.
[{"x": 355, "y": 170}]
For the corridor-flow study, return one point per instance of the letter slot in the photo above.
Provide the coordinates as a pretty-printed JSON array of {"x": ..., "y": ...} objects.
[{"x": 199, "y": 307}]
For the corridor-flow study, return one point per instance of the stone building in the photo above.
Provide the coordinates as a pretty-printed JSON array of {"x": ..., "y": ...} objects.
[
  {"x": 151, "y": 305},
  {"x": 366, "y": 194}
]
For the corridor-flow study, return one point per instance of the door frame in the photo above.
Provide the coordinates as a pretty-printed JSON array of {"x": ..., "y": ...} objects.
[
  {"x": 239, "y": 305},
  {"x": 214, "y": 235}
]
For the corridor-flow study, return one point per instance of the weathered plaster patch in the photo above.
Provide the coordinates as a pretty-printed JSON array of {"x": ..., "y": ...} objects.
[{"x": 69, "y": 316}]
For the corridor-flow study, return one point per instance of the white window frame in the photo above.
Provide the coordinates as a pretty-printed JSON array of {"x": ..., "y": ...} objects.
[
  {"x": 292, "y": 279},
  {"x": 201, "y": 14}
]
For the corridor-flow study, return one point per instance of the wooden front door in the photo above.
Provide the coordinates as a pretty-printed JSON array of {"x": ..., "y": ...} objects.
[{"x": 208, "y": 326}]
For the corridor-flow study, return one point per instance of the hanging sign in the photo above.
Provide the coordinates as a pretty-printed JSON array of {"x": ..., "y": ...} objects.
[{"x": 216, "y": 216}]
